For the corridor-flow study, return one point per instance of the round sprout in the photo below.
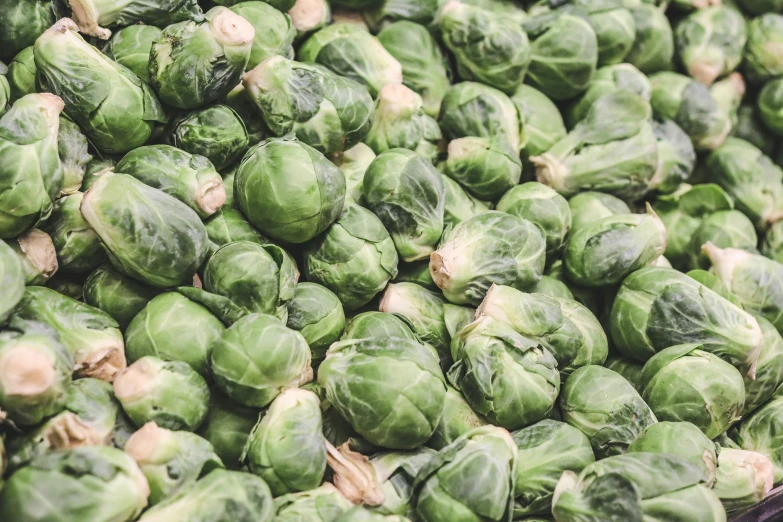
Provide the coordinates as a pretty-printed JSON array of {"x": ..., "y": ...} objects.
[
  {"x": 551, "y": 287},
  {"x": 12, "y": 280},
  {"x": 23, "y": 22},
  {"x": 169, "y": 393},
  {"x": 119, "y": 296},
  {"x": 542, "y": 206},
  {"x": 130, "y": 47},
  {"x": 772, "y": 246},
  {"x": 744, "y": 478},
  {"x": 486, "y": 167},
  {"x": 78, "y": 247},
  {"x": 308, "y": 16},
  {"x": 322, "y": 504},
  {"x": 215, "y": 132},
  {"x": 274, "y": 31},
  {"x": 227, "y": 426},
  {"x": 589, "y": 207},
  {"x": 615, "y": 30},
  {"x": 289, "y": 190},
  {"x": 72, "y": 146},
  {"x": 724, "y": 229},
  {"x": 21, "y": 74},
  {"x": 769, "y": 371},
  {"x": 354, "y": 163},
  {"x": 770, "y": 105},
  {"x": 750, "y": 127},
  {"x": 676, "y": 157},
  {"x": 379, "y": 325},
  {"x": 763, "y": 53},
  {"x": 761, "y": 432},
  {"x": 543, "y": 123},
  {"x": 318, "y": 315},
  {"x": 230, "y": 226},
  {"x": 459, "y": 205},
  {"x": 36, "y": 251},
  {"x": 458, "y": 419},
  {"x": 628, "y": 368},
  {"x": 653, "y": 49}
]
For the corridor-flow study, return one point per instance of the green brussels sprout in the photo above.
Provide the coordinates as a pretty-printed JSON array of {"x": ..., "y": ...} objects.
[
  {"x": 148, "y": 234},
  {"x": 227, "y": 427},
  {"x": 78, "y": 247},
  {"x": 287, "y": 448},
  {"x": 36, "y": 251},
  {"x": 281, "y": 5},
  {"x": 722, "y": 229},
  {"x": 543, "y": 123},
  {"x": 308, "y": 16},
  {"x": 681, "y": 439},
  {"x": 568, "y": 330},
  {"x": 685, "y": 383},
  {"x": 546, "y": 450},
  {"x": 489, "y": 248},
  {"x": 509, "y": 379},
  {"x": 769, "y": 371},
  {"x": 355, "y": 258},
  {"x": 400, "y": 122},
  {"x": 653, "y": 49},
  {"x": 589, "y": 207},
  {"x": 449, "y": 484},
  {"x": 770, "y": 106},
  {"x": 660, "y": 307},
  {"x": 257, "y": 358},
  {"x": 105, "y": 484},
  {"x": 612, "y": 78},
  {"x": 489, "y": 47},
  {"x": 117, "y": 112},
  {"x": 173, "y": 328},
  {"x": 419, "y": 273},
  {"x": 316, "y": 313},
  {"x": 676, "y": 157},
  {"x": 599, "y": 154},
  {"x": 425, "y": 69},
  {"x": 408, "y": 196},
  {"x": 323, "y": 110},
  {"x": 552, "y": 287},
  {"x": 360, "y": 514},
  {"x": 690, "y": 105},
  {"x": 216, "y": 132},
  {"x": 385, "y": 13},
  {"x": 636, "y": 486},
  {"x": 230, "y": 226},
  {"x": 486, "y": 167},
  {"x": 772, "y": 245},
  {"x": 744, "y": 478},
  {"x": 119, "y": 296},
  {"x": 750, "y": 127},
  {"x": 459, "y": 205},
  {"x": 354, "y": 163},
  {"x": 274, "y": 31},
  {"x": 12, "y": 280},
  {"x": 220, "y": 496},
  {"x": 379, "y": 325},
  {"x": 72, "y": 146},
  {"x": 351, "y": 51},
  {"x": 23, "y": 22},
  {"x": 458, "y": 419},
  {"x": 96, "y": 168},
  {"x": 728, "y": 93},
  {"x": 32, "y": 175},
  {"x": 606, "y": 408},
  {"x": 168, "y": 393},
  {"x": 89, "y": 334},
  {"x": 763, "y": 55},
  {"x": 191, "y": 179},
  {"x": 473, "y": 109},
  {"x": 5, "y": 90},
  {"x": 170, "y": 460},
  {"x": 193, "y": 63},
  {"x": 604, "y": 252},
  {"x": 35, "y": 373},
  {"x": 564, "y": 51},
  {"x": 289, "y": 190},
  {"x": 21, "y": 74},
  {"x": 628, "y": 368},
  {"x": 130, "y": 47},
  {"x": 322, "y": 504},
  {"x": 391, "y": 390},
  {"x": 615, "y": 30},
  {"x": 710, "y": 42},
  {"x": 259, "y": 279},
  {"x": 761, "y": 432}
]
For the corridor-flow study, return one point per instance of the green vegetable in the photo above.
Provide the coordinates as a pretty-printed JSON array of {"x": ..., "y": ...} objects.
[
  {"x": 653, "y": 48},
  {"x": 227, "y": 427},
  {"x": 589, "y": 207},
  {"x": 458, "y": 419},
  {"x": 459, "y": 205},
  {"x": 216, "y": 132},
  {"x": 72, "y": 146},
  {"x": 770, "y": 106},
  {"x": 23, "y": 21},
  {"x": 274, "y": 31},
  {"x": 486, "y": 167},
  {"x": 761, "y": 432},
  {"x": 78, "y": 247},
  {"x": 676, "y": 157},
  {"x": 318, "y": 315},
  {"x": 37, "y": 254},
  {"x": 322, "y": 504},
  {"x": 21, "y": 74},
  {"x": 744, "y": 478},
  {"x": 763, "y": 56},
  {"x": 130, "y": 47},
  {"x": 769, "y": 371},
  {"x": 120, "y": 296}
]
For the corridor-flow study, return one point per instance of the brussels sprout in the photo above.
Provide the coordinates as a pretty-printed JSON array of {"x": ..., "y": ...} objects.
[
  {"x": 419, "y": 273},
  {"x": 289, "y": 190},
  {"x": 325, "y": 111},
  {"x": 391, "y": 390},
  {"x": 257, "y": 358},
  {"x": 710, "y": 42},
  {"x": 690, "y": 105},
  {"x": 458, "y": 419},
  {"x": 72, "y": 146},
  {"x": 770, "y": 106},
  {"x": 355, "y": 258},
  {"x": 425, "y": 69},
  {"x": 227, "y": 427},
  {"x": 685, "y": 383},
  {"x": 408, "y": 196},
  {"x": 509, "y": 379},
  {"x": 551, "y": 287},
  {"x": 723, "y": 229},
  {"x": 12, "y": 280},
  {"x": 148, "y": 234},
  {"x": 681, "y": 439},
  {"x": 564, "y": 52},
  {"x": 542, "y": 120},
  {"x": 459, "y": 206},
  {"x": 360, "y": 514},
  {"x": 220, "y": 496},
  {"x": 23, "y": 21},
  {"x": 354, "y": 163},
  {"x": 589, "y": 207},
  {"x": 612, "y": 78},
  {"x": 761, "y": 432},
  {"x": 751, "y": 128},
  {"x": 653, "y": 49},
  {"x": 21, "y": 74},
  {"x": 322, "y": 504},
  {"x": 170, "y": 460},
  {"x": 230, "y": 226},
  {"x": 130, "y": 47},
  {"x": 31, "y": 176},
  {"x": 318, "y": 315},
  {"x": 351, "y": 51},
  {"x": 676, "y": 157},
  {"x": 599, "y": 154},
  {"x": 628, "y": 368},
  {"x": 35, "y": 373},
  {"x": 5, "y": 90},
  {"x": 36, "y": 252},
  {"x": 386, "y": 13},
  {"x": 447, "y": 485},
  {"x": 744, "y": 478},
  {"x": 763, "y": 55},
  {"x": 488, "y": 47},
  {"x": 78, "y": 247},
  {"x": 216, "y": 132},
  {"x": 604, "y": 252},
  {"x": 486, "y": 167},
  {"x": 400, "y": 122},
  {"x": 117, "y": 111},
  {"x": 728, "y": 93},
  {"x": 634, "y": 487},
  {"x": 286, "y": 448},
  {"x": 274, "y": 31},
  {"x": 772, "y": 246},
  {"x": 606, "y": 408},
  {"x": 379, "y": 325},
  {"x": 308, "y": 16},
  {"x": 281, "y": 5},
  {"x": 118, "y": 295},
  {"x": 769, "y": 372},
  {"x": 96, "y": 168},
  {"x": 489, "y": 248},
  {"x": 106, "y": 485}
]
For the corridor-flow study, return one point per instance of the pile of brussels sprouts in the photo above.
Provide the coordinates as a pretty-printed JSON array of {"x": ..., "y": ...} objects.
[{"x": 390, "y": 260}]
